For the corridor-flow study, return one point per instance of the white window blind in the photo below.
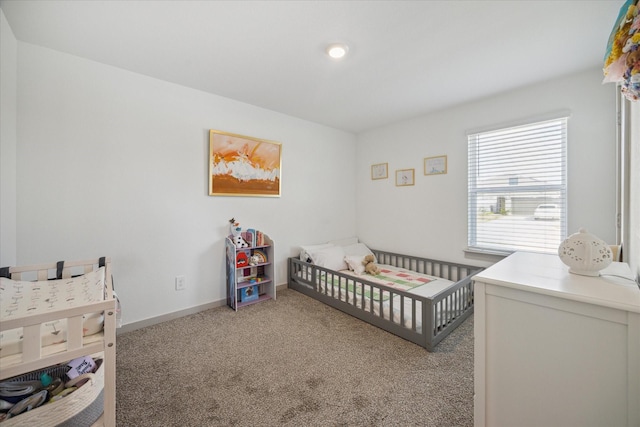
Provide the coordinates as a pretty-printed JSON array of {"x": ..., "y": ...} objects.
[{"x": 518, "y": 188}]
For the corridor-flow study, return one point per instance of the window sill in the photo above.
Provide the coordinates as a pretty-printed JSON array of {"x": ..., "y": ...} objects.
[{"x": 492, "y": 252}]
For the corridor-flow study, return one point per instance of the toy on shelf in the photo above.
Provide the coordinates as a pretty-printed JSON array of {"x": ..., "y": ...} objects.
[
  {"x": 258, "y": 257},
  {"x": 236, "y": 233},
  {"x": 242, "y": 260},
  {"x": 245, "y": 237}
]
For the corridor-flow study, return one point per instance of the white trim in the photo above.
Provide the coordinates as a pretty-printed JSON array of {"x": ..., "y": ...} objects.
[
  {"x": 623, "y": 224},
  {"x": 555, "y": 115},
  {"x": 488, "y": 252},
  {"x": 176, "y": 314}
]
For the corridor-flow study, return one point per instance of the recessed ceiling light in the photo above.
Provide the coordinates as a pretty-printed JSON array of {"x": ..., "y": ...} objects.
[{"x": 337, "y": 50}]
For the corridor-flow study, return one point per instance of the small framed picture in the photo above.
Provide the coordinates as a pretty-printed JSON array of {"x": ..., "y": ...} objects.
[
  {"x": 435, "y": 165},
  {"x": 379, "y": 171},
  {"x": 405, "y": 177}
]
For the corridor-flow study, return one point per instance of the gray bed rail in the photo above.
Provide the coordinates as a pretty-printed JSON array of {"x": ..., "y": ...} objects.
[{"x": 376, "y": 304}]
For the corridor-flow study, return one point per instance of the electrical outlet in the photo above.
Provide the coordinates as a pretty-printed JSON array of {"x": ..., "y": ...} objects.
[{"x": 181, "y": 283}]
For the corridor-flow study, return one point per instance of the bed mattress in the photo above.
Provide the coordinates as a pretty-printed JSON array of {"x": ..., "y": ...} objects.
[{"x": 405, "y": 280}]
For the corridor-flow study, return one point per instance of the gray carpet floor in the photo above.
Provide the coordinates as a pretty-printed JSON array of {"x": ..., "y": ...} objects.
[{"x": 291, "y": 362}]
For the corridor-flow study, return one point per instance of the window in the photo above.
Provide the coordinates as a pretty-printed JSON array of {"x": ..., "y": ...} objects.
[{"x": 518, "y": 188}]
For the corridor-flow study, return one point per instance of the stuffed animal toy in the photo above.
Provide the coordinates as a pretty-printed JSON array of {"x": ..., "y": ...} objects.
[
  {"x": 236, "y": 235},
  {"x": 370, "y": 266}
]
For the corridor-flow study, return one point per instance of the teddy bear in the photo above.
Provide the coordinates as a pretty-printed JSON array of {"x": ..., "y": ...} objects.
[{"x": 370, "y": 266}]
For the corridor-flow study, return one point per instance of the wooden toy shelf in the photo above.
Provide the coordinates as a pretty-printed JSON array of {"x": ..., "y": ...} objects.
[{"x": 250, "y": 272}]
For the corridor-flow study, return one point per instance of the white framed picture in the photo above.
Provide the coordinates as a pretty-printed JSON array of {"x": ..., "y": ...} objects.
[
  {"x": 405, "y": 177},
  {"x": 379, "y": 171},
  {"x": 435, "y": 165}
]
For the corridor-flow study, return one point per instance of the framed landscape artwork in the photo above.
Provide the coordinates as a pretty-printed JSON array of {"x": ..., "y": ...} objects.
[{"x": 243, "y": 166}]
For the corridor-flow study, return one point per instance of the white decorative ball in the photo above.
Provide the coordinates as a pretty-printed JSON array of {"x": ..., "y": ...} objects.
[{"x": 585, "y": 254}]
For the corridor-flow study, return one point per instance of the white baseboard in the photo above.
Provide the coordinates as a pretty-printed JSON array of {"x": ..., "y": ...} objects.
[{"x": 177, "y": 314}]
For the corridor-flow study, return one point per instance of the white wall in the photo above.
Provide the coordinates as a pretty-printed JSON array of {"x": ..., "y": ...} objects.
[
  {"x": 633, "y": 248},
  {"x": 115, "y": 163},
  {"x": 8, "y": 141},
  {"x": 430, "y": 218}
]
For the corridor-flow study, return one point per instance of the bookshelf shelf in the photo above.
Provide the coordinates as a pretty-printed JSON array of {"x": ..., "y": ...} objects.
[{"x": 250, "y": 270}]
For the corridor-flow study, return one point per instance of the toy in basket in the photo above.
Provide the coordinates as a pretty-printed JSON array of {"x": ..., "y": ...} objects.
[{"x": 43, "y": 397}]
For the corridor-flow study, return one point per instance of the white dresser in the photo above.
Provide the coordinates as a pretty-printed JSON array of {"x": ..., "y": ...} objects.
[{"x": 554, "y": 348}]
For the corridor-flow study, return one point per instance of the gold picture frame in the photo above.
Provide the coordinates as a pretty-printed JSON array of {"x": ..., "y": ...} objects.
[
  {"x": 435, "y": 165},
  {"x": 405, "y": 177},
  {"x": 380, "y": 171},
  {"x": 243, "y": 166}
]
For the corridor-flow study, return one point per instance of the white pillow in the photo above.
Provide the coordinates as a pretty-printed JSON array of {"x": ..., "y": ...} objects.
[
  {"x": 344, "y": 242},
  {"x": 308, "y": 251},
  {"x": 355, "y": 263},
  {"x": 331, "y": 257},
  {"x": 359, "y": 249}
]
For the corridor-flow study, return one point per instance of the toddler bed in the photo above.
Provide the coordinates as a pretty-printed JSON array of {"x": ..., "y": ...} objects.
[
  {"x": 418, "y": 299},
  {"x": 51, "y": 314}
]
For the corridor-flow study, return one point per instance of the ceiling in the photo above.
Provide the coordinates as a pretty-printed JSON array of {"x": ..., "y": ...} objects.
[{"x": 406, "y": 58}]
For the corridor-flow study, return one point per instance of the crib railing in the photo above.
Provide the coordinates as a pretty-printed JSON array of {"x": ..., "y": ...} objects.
[
  {"x": 386, "y": 307},
  {"x": 368, "y": 301}
]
